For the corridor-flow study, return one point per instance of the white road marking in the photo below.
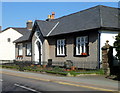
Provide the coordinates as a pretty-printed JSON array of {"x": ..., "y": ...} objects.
[
  {"x": 1, "y": 80},
  {"x": 30, "y": 89}
]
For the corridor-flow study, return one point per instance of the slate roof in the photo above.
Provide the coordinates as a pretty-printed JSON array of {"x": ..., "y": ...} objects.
[
  {"x": 92, "y": 18},
  {"x": 25, "y": 37},
  {"x": 24, "y": 31},
  {"x": 20, "y": 30},
  {"x": 45, "y": 26}
]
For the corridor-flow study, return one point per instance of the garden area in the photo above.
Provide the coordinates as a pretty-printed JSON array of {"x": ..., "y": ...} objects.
[{"x": 57, "y": 70}]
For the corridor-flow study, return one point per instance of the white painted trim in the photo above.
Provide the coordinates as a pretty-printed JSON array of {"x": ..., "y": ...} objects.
[
  {"x": 80, "y": 43},
  {"x": 41, "y": 48},
  {"x": 38, "y": 39},
  {"x": 37, "y": 34},
  {"x": 28, "y": 49},
  {"x": 53, "y": 28},
  {"x": 59, "y": 54}
]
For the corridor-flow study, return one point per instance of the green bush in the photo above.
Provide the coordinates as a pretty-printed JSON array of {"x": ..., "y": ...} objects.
[
  {"x": 101, "y": 72},
  {"x": 54, "y": 72},
  {"x": 11, "y": 67},
  {"x": 117, "y": 45},
  {"x": 57, "y": 69}
]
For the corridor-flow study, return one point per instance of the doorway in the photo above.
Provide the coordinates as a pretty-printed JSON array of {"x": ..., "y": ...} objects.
[{"x": 37, "y": 52}]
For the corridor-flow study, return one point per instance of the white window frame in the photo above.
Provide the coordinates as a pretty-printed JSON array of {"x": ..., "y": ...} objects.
[
  {"x": 28, "y": 49},
  {"x": 61, "y": 47},
  {"x": 20, "y": 50},
  {"x": 81, "y": 48}
]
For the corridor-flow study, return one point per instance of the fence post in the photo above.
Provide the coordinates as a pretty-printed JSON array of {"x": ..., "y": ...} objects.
[{"x": 105, "y": 64}]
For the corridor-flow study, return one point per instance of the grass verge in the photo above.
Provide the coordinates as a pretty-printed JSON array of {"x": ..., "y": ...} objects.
[{"x": 55, "y": 70}]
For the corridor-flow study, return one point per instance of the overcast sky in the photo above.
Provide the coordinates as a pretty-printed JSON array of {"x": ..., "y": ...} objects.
[{"x": 16, "y": 14}]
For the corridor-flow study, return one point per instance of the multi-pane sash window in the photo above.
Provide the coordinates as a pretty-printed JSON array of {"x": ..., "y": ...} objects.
[
  {"x": 81, "y": 45},
  {"x": 20, "y": 50},
  {"x": 28, "y": 49},
  {"x": 61, "y": 47}
]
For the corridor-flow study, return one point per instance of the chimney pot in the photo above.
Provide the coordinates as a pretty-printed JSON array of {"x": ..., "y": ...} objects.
[
  {"x": 53, "y": 15},
  {"x": 49, "y": 16}
]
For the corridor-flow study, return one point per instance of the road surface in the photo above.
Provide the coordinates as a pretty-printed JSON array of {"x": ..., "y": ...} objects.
[{"x": 18, "y": 82}]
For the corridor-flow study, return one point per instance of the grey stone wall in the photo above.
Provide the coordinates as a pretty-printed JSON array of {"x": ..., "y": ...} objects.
[
  {"x": 90, "y": 61},
  {"x": 24, "y": 57},
  {"x": 105, "y": 58}
]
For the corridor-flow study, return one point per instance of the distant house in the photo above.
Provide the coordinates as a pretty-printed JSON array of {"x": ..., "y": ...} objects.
[
  {"x": 7, "y": 36},
  {"x": 77, "y": 37},
  {"x": 23, "y": 48}
]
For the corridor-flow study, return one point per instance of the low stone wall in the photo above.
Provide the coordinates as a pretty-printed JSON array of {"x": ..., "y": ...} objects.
[{"x": 6, "y": 61}]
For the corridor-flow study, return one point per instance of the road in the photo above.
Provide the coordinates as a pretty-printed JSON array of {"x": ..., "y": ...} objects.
[{"x": 16, "y": 82}]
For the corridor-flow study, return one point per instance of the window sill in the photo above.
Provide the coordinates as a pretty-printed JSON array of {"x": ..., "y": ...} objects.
[
  {"x": 61, "y": 55},
  {"x": 81, "y": 55},
  {"x": 28, "y": 55},
  {"x": 20, "y": 56}
]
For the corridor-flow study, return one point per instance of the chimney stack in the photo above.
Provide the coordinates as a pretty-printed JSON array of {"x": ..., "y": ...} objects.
[
  {"x": 29, "y": 25},
  {"x": 53, "y": 15}
]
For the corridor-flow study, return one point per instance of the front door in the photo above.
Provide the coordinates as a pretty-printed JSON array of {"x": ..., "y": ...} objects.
[{"x": 37, "y": 52}]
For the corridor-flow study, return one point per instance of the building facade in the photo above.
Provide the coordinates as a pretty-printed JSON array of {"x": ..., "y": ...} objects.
[
  {"x": 77, "y": 37},
  {"x": 7, "y": 44}
]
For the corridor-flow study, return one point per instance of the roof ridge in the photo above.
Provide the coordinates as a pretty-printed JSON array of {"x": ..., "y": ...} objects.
[
  {"x": 75, "y": 13},
  {"x": 100, "y": 13},
  {"x": 46, "y": 21},
  {"x": 40, "y": 20},
  {"x": 108, "y": 6},
  {"x": 83, "y": 11}
]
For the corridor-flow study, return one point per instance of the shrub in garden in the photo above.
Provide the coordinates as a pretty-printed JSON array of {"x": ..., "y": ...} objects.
[
  {"x": 58, "y": 69},
  {"x": 117, "y": 45}
]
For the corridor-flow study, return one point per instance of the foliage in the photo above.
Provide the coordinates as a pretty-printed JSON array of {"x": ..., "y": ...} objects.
[
  {"x": 52, "y": 70},
  {"x": 10, "y": 66},
  {"x": 117, "y": 45},
  {"x": 57, "y": 69}
]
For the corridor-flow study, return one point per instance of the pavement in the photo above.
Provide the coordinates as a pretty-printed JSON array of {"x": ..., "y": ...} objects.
[{"x": 97, "y": 82}]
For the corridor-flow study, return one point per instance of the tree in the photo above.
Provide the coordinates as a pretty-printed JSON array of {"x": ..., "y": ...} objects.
[{"x": 117, "y": 45}]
